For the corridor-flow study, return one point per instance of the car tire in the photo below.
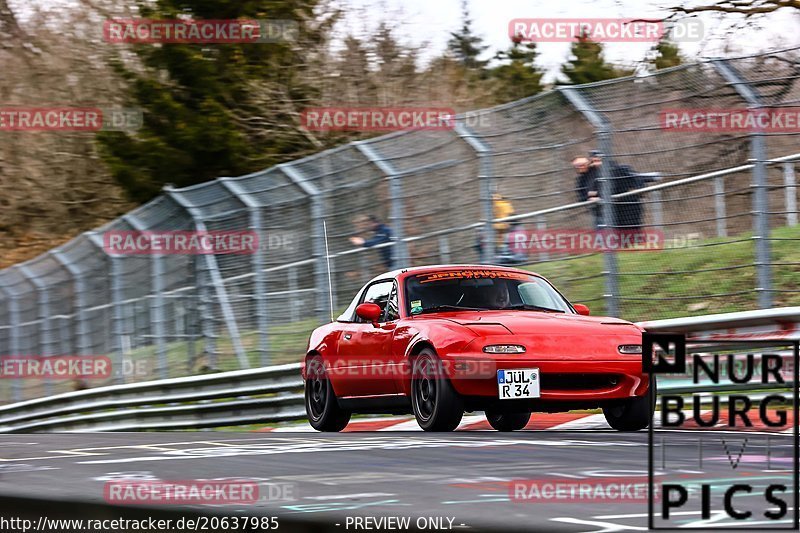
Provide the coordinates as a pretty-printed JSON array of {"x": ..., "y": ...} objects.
[
  {"x": 436, "y": 405},
  {"x": 322, "y": 408},
  {"x": 633, "y": 414},
  {"x": 508, "y": 421}
]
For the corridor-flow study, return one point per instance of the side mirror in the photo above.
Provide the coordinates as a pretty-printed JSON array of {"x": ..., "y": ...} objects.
[
  {"x": 581, "y": 309},
  {"x": 370, "y": 312}
]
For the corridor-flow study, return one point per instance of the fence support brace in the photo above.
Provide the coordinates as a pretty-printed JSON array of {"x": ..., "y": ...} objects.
[
  {"x": 216, "y": 280},
  {"x": 259, "y": 284},
  {"x": 322, "y": 308}
]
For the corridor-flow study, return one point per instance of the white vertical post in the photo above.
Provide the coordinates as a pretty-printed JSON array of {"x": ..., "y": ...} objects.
[
  {"x": 444, "y": 249},
  {"x": 719, "y": 207},
  {"x": 291, "y": 299},
  {"x": 790, "y": 185},
  {"x": 541, "y": 225}
]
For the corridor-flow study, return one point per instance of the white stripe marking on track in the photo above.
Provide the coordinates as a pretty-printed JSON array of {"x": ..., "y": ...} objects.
[
  {"x": 408, "y": 425},
  {"x": 586, "y": 422},
  {"x": 471, "y": 420}
]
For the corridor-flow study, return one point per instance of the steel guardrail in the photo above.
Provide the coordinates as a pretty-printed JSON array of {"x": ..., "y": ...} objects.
[
  {"x": 167, "y": 403},
  {"x": 274, "y": 393}
]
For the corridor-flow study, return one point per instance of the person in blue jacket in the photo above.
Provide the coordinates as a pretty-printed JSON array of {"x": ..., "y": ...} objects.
[{"x": 381, "y": 233}]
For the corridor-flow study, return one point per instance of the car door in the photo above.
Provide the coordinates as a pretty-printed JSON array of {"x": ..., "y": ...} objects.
[{"x": 365, "y": 366}]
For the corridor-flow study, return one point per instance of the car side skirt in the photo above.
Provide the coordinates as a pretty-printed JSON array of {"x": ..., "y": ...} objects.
[{"x": 393, "y": 404}]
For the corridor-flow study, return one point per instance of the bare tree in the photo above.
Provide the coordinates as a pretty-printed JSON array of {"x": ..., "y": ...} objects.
[
  {"x": 748, "y": 8},
  {"x": 53, "y": 183}
]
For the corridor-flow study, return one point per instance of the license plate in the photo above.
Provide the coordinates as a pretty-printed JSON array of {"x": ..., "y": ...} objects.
[{"x": 519, "y": 383}]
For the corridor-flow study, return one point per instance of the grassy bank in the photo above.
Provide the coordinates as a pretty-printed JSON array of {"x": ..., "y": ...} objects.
[{"x": 683, "y": 281}]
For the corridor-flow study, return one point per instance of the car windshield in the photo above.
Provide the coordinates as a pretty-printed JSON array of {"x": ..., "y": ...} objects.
[{"x": 455, "y": 290}]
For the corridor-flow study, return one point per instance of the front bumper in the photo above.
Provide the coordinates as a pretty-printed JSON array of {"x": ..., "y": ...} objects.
[{"x": 568, "y": 381}]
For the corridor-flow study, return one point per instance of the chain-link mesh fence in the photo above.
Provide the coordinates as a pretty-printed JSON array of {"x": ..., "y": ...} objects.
[{"x": 725, "y": 204}]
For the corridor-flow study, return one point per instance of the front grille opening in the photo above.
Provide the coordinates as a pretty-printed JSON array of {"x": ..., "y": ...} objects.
[{"x": 579, "y": 381}]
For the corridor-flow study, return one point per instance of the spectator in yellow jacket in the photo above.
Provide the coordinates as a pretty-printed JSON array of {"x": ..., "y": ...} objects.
[{"x": 502, "y": 208}]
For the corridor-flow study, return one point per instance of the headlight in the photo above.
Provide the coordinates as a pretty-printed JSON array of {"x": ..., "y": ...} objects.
[
  {"x": 504, "y": 348},
  {"x": 630, "y": 348}
]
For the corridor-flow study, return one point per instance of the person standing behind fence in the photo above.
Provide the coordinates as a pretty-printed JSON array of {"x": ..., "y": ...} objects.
[
  {"x": 587, "y": 186},
  {"x": 502, "y": 208},
  {"x": 628, "y": 211},
  {"x": 381, "y": 233}
]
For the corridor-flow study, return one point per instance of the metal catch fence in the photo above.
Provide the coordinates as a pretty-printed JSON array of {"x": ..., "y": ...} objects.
[{"x": 724, "y": 202}]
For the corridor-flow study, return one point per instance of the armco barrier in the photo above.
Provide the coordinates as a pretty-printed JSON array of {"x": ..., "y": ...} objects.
[
  {"x": 274, "y": 393},
  {"x": 227, "y": 398}
]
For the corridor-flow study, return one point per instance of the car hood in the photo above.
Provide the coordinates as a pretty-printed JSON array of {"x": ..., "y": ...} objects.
[
  {"x": 539, "y": 323},
  {"x": 551, "y": 336}
]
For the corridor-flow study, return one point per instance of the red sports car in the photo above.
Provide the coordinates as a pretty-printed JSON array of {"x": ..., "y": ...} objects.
[{"x": 441, "y": 340}]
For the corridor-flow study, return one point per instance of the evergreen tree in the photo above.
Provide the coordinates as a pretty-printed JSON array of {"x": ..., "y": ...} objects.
[
  {"x": 354, "y": 67},
  {"x": 464, "y": 45},
  {"x": 586, "y": 63},
  {"x": 212, "y": 109},
  {"x": 396, "y": 72},
  {"x": 518, "y": 76},
  {"x": 667, "y": 55}
]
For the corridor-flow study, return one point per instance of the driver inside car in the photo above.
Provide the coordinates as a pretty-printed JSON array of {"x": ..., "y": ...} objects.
[{"x": 497, "y": 296}]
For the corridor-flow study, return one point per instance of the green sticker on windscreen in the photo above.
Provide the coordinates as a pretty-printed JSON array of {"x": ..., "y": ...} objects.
[{"x": 416, "y": 306}]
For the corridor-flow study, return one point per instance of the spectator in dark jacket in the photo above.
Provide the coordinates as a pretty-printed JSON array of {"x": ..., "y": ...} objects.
[
  {"x": 587, "y": 186},
  {"x": 628, "y": 211},
  {"x": 381, "y": 233}
]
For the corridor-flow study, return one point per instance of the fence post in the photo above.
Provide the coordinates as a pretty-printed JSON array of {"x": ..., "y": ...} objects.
[
  {"x": 118, "y": 317},
  {"x": 396, "y": 207},
  {"x": 13, "y": 339},
  {"x": 216, "y": 279},
  {"x": 790, "y": 185},
  {"x": 157, "y": 300},
  {"x": 118, "y": 313},
  {"x": 323, "y": 302},
  {"x": 189, "y": 322},
  {"x": 603, "y": 131},
  {"x": 758, "y": 156},
  {"x": 205, "y": 300},
  {"x": 486, "y": 177},
  {"x": 83, "y": 344},
  {"x": 43, "y": 315},
  {"x": 257, "y": 262}
]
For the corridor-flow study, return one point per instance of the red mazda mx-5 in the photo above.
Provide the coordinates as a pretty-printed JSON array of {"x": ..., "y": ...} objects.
[{"x": 441, "y": 340}]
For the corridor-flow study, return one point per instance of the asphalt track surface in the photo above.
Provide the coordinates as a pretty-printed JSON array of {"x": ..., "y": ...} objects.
[{"x": 463, "y": 476}]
